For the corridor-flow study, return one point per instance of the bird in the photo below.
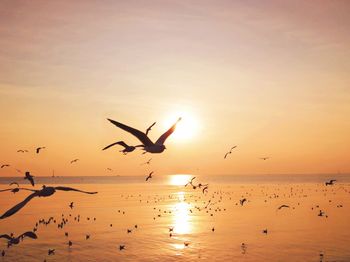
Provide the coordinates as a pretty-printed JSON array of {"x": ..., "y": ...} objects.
[
  {"x": 229, "y": 152},
  {"x": 265, "y": 231},
  {"x": 147, "y": 162},
  {"x": 150, "y": 128},
  {"x": 70, "y": 243},
  {"x": 71, "y": 205},
  {"x": 330, "y": 182},
  {"x": 14, "y": 183},
  {"x": 149, "y": 176},
  {"x": 241, "y": 201},
  {"x": 127, "y": 148},
  {"x": 51, "y": 252},
  {"x": 87, "y": 237},
  {"x": 264, "y": 158},
  {"x": 74, "y": 160},
  {"x": 46, "y": 191},
  {"x": 121, "y": 247},
  {"x": 205, "y": 189},
  {"x": 15, "y": 240},
  {"x": 29, "y": 177},
  {"x": 39, "y": 148},
  {"x": 22, "y": 151},
  {"x": 282, "y": 206},
  {"x": 5, "y": 165},
  {"x": 190, "y": 182},
  {"x": 147, "y": 144}
]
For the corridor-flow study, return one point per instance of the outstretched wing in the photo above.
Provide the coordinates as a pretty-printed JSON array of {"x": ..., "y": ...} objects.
[
  {"x": 19, "y": 206},
  {"x": 73, "y": 189},
  {"x": 3, "y": 190},
  {"x": 140, "y": 135},
  {"x": 163, "y": 137},
  {"x": 6, "y": 236},
  {"x": 29, "y": 234},
  {"x": 150, "y": 127},
  {"x": 122, "y": 143}
]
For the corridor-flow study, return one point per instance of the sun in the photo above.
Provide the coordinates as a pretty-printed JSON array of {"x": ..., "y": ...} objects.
[
  {"x": 186, "y": 129},
  {"x": 179, "y": 180}
]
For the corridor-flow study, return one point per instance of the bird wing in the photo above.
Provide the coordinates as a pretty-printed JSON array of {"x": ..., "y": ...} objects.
[
  {"x": 140, "y": 135},
  {"x": 3, "y": 190},
  {"x": 19, "y": 206},
  {"x": 163, "y": 137},
  {"x": 150, "y": 127},
  {"x": 226, "y": 155},
  {"x": 29, "y": 234},
  {"x": 122, "y": 143},
  {"x": 6, "y": 236},
  {"x": 73, "y": 189},
  {"x": 14, "y": 183},
  {"x": 31, "y": 180}
]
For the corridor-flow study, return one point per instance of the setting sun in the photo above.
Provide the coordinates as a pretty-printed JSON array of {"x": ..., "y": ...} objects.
[
  {"x": 179, "y": 180},
  {"x": 186, "y": 128}
]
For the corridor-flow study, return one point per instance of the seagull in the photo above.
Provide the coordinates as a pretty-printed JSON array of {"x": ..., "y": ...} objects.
[
  {"x": 241, "y": 201},
  {"x": 51, "y": 252},
  {"x": 46, "y": 191},
  {"x": 147, "y": 163},
  {"x": 121, "y": 247},
  {"x": 74, "y": 160},
  {"x": 22, "y": 151},
  {"x": 127, "y": 148},
  {"x": 331, "y": 182},
  {"x": 29, "y": 177},
  {"x": 14, "y": 183},
  {"x": 190, "y": 182},
  {"x": 39, "y": 148},
  {"x": 229, "y": 152},
  {"x": 264, "y": 158},
  {"x": 15, "y": 240},
  {"x": 150, "y": 128},
  {"x": 87, "y": 237},
  {"x": 205, "y": 189},
  {"x": 280, "y": 207},
  {"x": 149, "y": 176},
  {"x": 71, "y": 205},
  {"x": 147, "y": 144},
  {"x": 265, "y": 231},
  {"x": 5, "y": 165}
]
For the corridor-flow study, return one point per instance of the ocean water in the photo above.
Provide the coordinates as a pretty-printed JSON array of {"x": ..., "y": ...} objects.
[{"x": 214, "y": 225}]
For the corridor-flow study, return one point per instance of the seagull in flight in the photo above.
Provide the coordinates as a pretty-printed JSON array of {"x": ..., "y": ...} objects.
[
  {"x": 22, "y": 151},
  {"x": 46, "y": 191},
  {"x": 147, "y": 144},
  {"x": 127, "y": 148},
  {"x": 282, "y": 206},
  {"x": 39, "y": 148},
  {"x": 147, "y": 163},
  {"x": 15, "y": 240},
  {"x": 150, "y": 128},
  {"x": 229, "y": 152},
  {"x": 29, "y": 177},
  {"x": 330, "y": 182},
  {"x": 74, "y": 161},
  {"x": 264, "y": 158},
  {"x": 5, "y": 165},
  {"x": 149, "y": 176}
]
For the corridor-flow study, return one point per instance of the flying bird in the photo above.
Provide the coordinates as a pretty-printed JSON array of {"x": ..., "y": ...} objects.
[
  {"x": 5, "y": 165},
  {"x": 15, "y": 240},
  {"x": 44, "y": 192},
  {"x": 29, "y": 177},
  {"x": 74, "y": 160},
  {"x": 14, "y": 183},
  {"x": 330, "y": 182},
  {"x": 229, "y": 152},
  {"x": 264, "y": 158},
  {"x": 147, "y": 144},
  {"x": 147, "y": 163},
  {"x": 205, "y": 189},
  {"x": 282, "y": 206},
  {"x": 190, "y": 182},
  {"x": 149, "y": 176},
  {"x": 127, "y": 148},
  {"x": 71, "y": 205},
  {"x": 241, "y": 201},
  {"x": 150, "y": 128},
  {"x": 39, "y": 148},
  {"x": 51, "y": 252}
]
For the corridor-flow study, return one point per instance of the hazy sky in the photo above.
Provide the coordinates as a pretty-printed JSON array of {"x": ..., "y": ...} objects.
[{"x": 269, "y": 76}]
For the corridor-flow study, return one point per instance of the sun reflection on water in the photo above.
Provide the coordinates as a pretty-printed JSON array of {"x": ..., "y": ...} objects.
[{"x": 181, "y": 215}]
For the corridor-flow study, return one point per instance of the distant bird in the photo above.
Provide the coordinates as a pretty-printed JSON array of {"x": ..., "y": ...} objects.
[
  {"x": 264, "y": 158},
  {"x": 265, "y": 231},
  {"x": 229, "y": 152},
  {"x": 74, "y": 161},
  {"x": 190, "y": 182},
  {"x": 149, "y": 176},
  {"x": 127, "y": 148},
  {"x": 147, "y": 144},
  {"x": 22, "y": 151},
  {"x": 51, "y": 252},
  {"x": 87, "y": 237},
  {"x": 5, "y": 165},
  {"x": 241, "y": 201},
  {"x": 44, "y": 192},
  {"x": 282, "y": 206},
  {"x": 38, "y": 149},
  {"x": 29, "y": 177},
  {"x": 330, "y": 182},
  {"x": 147, "y": 162},
  {"x": 186, "y": 244},
  {"x": 150, "y": 128},
  {"x": 109, "y": 169},
  {"x": 70, "y": 243},
  {"x": 121, "y": 247},
  {"x": 71, "y": 205},
  {"x": 15, "y": 240},
  {"x": 205, "y": 189},
  {"x": 14, "y": 183}
]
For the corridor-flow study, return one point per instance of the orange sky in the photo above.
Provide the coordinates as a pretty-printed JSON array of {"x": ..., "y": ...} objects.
[{"x": 269, "y": 76}]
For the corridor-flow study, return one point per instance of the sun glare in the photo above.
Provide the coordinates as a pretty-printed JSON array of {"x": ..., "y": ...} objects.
[
  {"x": 186, "y": 128},
  {"x": 179, "y": 180}
]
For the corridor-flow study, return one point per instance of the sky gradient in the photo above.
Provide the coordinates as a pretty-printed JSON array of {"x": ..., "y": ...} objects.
[{"x": 271, "y": 77}]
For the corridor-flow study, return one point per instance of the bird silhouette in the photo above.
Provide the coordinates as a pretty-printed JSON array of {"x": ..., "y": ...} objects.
[
  {"x": 282, "y": 206},
  {"x": 14, "y": 183},
  {"x": 149, "y": 176},
  {"x": 121, "y": 247},
  {"x": 330, "y": 182},
  {"x": 264, "y": 158},
  {"x": 44, "y": 192},
  {"x": 74, "y": 161},
  {"x": 15, "y": 240},
  {"x": 241, "y": 201},
  {"x": 38, "y": 149},
  {"x": 150, "y": 128},
  {"x": 229, "y": 152},
  {"x": 71, "y": 205},
  {"x": 29, "y": 177},
  {"x": 147, "y": 162},
  {"x": 51, "y": 252},
  {"x": 127, "y": 148},
  {"x": 147, "y": 144},
  {"x": 5, "y": 165}
]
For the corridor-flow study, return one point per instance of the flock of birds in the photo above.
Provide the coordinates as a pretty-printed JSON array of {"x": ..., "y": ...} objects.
[{"x": 148, "y": 146}]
